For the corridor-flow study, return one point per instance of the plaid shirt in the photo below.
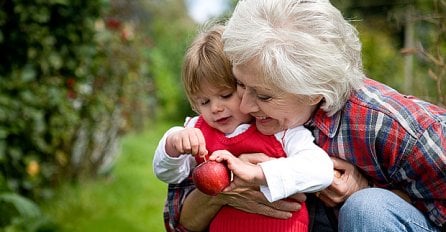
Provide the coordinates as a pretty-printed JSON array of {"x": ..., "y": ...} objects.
[
  {"x": 397, "y": 141},
  {"x": 176, "y": 194}
]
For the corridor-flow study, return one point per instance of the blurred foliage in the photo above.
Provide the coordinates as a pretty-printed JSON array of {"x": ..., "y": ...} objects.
[
  {"x": 48, "y": 48},
  {"x": 386, "y": 65},
  {"x": 431, "y": 47},
  {"x": 129, "y": 200},
  {"x": 418, "y": 69},
  {"x": 171, "y": 29},
  {"x": 75, "y": 76},
  {"x": 20, "y": 214}
]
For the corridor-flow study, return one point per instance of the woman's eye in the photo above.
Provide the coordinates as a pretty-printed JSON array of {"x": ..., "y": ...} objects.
[{"x": 263, "y": 97}]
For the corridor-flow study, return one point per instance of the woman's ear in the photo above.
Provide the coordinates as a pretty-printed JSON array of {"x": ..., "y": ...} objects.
[{"x": 314, "y": 100}]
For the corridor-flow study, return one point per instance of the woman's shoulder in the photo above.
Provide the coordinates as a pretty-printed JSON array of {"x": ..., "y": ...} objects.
[
  {"x": 295, "y": 133},
  {"x": 378, "y": 102}
]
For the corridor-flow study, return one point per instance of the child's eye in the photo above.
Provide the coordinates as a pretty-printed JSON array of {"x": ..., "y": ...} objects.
[
  {"x": 240, "y": 84},
  {"x": 225, "y": 96},
  {"x": 204, "y": 102}
]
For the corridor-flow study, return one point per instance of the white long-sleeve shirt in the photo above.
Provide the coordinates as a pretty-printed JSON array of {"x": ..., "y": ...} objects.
[{"x": 307, "y": 168}]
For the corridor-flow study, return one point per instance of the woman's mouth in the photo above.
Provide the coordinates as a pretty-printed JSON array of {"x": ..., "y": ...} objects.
[{"x": 262, "y": 119}]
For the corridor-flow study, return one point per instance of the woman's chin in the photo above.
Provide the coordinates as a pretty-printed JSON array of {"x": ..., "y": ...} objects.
[{"x": 267, "y": 130}]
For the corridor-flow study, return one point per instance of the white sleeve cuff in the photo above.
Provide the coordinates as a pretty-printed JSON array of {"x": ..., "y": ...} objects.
[{"x": 171, "y": 169}]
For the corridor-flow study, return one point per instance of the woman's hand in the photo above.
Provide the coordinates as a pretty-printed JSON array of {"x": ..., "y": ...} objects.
[
  {"x": 253, "y": 201},
  {"x": 347, "y": 180},
  {"x": 255, "y": 158},
  {"x": 245, "y": 173},
  {"x": 199, "y": 209}
]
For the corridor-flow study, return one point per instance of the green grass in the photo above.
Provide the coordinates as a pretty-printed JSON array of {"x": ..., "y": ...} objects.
[{"x": 130, "y": 200}]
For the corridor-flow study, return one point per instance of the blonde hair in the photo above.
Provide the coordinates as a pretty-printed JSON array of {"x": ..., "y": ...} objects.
[
  {"x": 205, "y": 61},
  {"x": 304, "y": 47}
]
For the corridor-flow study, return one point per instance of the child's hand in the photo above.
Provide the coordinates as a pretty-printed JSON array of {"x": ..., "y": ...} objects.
[
  {"x": 245, "y": 173},
  {"x": 187, "y": 141}
]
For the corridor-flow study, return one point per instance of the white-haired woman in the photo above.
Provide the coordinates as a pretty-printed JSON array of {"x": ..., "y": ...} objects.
[{"x": 389, "y": 148}]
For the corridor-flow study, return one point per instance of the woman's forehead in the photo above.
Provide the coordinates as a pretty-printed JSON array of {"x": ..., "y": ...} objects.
[
  {"x": 246, "y": 74},
  {"x": 250, "y": 77}
]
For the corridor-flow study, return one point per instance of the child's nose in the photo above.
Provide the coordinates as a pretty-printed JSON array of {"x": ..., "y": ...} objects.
[{"x": 216, "y": 106}]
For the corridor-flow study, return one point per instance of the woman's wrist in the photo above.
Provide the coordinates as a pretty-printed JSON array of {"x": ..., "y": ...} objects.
[
  {"x": 365, "y": 183},
  {"x": 199, "y": 209}
]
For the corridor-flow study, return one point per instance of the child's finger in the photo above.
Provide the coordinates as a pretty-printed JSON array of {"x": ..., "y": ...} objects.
[
  {"x": 202, "y": 151},
  {"x": 186, "y": 146},
  {"x": 197, "y": 143}
]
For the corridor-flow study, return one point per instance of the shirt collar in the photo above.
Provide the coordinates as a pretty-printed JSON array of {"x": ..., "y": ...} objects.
[{"x": 327, "y": 125}]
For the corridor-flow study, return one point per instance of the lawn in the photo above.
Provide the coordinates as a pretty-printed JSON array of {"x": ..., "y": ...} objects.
[{"x": 131, "y": 199}]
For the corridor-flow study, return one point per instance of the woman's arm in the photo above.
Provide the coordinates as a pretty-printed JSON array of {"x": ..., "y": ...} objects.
[
  {"x": 199, "y": 209},
  {"x": 307, "y": 168},
  {"x": 187, "y": 209},
  {"x": 348, "y": 180}
]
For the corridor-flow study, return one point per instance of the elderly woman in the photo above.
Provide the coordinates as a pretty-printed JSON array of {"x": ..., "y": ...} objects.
[{"x": 389, "y": 148}]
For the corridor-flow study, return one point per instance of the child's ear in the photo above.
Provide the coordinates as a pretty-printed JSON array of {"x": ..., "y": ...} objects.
[
  {"x": 194, "y": 108},
  {"x": 314, "y": 100}
]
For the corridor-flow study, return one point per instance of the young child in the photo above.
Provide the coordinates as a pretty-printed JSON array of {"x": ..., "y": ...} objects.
[{"x": 211, "y": 90}]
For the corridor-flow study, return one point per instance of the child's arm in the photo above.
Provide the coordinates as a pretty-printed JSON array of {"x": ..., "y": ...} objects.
[
  {"x": 169, "y": 166},
  {"x": 171, "y": 169}
]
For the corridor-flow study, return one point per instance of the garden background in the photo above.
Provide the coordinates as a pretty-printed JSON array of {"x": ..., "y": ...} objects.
[{"x": 88, "y": 87}]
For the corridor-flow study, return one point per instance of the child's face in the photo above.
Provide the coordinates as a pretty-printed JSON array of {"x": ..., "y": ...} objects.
[{"x": 220, "y": 108}]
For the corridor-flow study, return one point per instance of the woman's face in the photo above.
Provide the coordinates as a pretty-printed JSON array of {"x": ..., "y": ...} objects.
[{"x": 274, "y": 110}]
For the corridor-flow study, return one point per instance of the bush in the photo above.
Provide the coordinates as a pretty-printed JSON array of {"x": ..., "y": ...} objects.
[
  {"x": 45, "y": 44},
  {"x": 75, "y": 82},
  {"x": 22, "y": 215}
]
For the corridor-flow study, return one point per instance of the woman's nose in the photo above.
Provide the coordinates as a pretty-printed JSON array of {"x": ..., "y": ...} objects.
[{"x": 248, "y": 103}]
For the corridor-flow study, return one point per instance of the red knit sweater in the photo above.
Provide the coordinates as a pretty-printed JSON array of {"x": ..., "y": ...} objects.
[{"x": 229, "y": 219}]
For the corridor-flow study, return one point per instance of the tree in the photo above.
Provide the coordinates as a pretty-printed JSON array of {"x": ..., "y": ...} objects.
[
  {"x": 410, "y": 53},
  {"x": 76, "y": 77}
]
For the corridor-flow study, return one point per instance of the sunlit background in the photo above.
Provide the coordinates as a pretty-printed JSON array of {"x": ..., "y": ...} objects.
[
  {"x": 88, "y": 87},
  {"x": 202, "y": 10}
]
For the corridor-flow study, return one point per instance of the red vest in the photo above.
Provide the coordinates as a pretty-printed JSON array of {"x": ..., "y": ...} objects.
[{"x": 229, "y": 219}]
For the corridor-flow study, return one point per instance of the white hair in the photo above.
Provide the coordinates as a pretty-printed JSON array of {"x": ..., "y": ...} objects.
[{"x": 302, "y": 47}]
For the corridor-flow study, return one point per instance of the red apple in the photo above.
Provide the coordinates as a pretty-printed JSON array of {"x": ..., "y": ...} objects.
[{"x": 211, "y": 177}]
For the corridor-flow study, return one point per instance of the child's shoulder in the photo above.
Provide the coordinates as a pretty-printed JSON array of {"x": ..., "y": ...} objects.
[{"x": 191, "y": 121}]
